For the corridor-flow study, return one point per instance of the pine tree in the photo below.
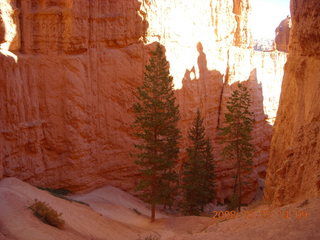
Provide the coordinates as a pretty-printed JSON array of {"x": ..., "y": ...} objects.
[
  {"x": 209, "y": 177},
  {"x": 236, "y": 137},
  {"x": 155, "y": 125},
  {"x": 198, "y": 171}
]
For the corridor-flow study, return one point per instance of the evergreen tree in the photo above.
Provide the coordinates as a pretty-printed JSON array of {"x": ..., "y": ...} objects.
[
  {"x": 209, "y": 177},
  {"x": 155, "y": 125},
  {"x": 236, "y": 137},
  {"x": 198, "y": 171}
]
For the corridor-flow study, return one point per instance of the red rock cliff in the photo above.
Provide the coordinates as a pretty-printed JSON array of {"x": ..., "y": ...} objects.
[
  {"x": 283, "y": 34},
  {"x": 66, "y": 91},
  {"x": 294, "y": 165},
  {"x": 69, "y": 70}
]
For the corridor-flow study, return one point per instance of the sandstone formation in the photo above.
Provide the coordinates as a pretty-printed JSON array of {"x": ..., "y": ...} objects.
[
  {"x": 294, "y": 165},
  {"x": 283, "y": 34},
  {"x": 255, "y": 69},
  {"x": 69, "y": 70},
  {"x": 65, "y": 95}
]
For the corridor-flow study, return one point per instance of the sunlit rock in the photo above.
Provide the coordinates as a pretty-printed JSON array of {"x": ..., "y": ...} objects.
[
  {"x": 66, "y": 97},
  {"x": 283, "y": 34},
  {"x": 294, "y": 165}
]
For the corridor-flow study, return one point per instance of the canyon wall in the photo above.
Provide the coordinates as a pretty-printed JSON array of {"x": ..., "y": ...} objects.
[
  {"x": 294, "y": 165},
  {"x": 69, "y": 70},
  {"x": 66, "y": 92},
  {"x": 262, "y": 73}
]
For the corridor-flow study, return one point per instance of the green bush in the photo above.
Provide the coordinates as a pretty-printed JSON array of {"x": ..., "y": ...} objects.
[{"x": 47, "y": 214}]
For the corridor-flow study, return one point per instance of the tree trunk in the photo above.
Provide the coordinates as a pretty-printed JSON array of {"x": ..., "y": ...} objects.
[
  {"x": 239, "y": 186},
  {"x": 239, "y": 168},
  {"x": 240, "y": 191},
  {"x": 153, "y": 212},
  {"x": 239, "y": 198}
]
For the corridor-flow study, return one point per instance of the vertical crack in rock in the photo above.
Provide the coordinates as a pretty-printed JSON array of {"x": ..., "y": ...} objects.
[{"x": 226, "y": 81}]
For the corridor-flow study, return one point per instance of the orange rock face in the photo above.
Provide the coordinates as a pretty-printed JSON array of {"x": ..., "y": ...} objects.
[
  {"x": 66, "y": 93},
  {"x": 294, "y": 165},
  {"x": 282, "y": 35},
  {"x": 69, "y": 70},
  {"x": 210, "y": 91}
]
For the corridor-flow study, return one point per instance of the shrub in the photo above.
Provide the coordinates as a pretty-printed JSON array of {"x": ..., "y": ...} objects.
[{"x": 47, "y": 214}]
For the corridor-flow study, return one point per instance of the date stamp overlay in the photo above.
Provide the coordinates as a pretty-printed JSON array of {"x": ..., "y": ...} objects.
[{"x": 284, "y": 214}]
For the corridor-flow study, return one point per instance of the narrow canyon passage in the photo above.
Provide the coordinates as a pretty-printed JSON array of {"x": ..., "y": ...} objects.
[
  {"x": 69, "y": 71},
  {"x": 66, "y": 100}
]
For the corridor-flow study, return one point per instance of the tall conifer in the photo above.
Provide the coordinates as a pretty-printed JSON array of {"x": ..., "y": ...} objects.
[
  {"x": 198, "y": 170},
  {"x": 236, "y": 137},
  {"x": 209, "y": 176},
  {"x": 157, "y": 115}
]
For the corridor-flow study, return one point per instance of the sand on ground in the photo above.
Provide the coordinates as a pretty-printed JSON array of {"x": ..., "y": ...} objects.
[{"x": 116, "y": 215}]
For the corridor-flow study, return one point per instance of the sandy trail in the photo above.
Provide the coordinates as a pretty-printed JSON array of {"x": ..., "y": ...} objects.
[{"x": 118, "y": 205}]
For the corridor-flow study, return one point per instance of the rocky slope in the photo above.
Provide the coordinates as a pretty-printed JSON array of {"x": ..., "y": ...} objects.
[
  {"x": 69, "y": 70},
  {"x": 294, "y": 165}
]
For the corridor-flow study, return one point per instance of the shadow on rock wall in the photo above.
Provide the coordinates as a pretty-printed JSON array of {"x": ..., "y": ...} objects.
[
  {"x": 65, "y": 106},
  {"x": 209, "y": 92}
]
